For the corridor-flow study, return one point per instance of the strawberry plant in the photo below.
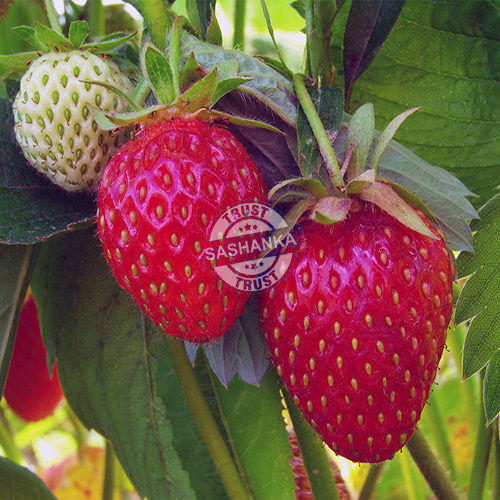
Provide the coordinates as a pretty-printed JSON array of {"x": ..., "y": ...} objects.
[{"x": 262, "y": 252}]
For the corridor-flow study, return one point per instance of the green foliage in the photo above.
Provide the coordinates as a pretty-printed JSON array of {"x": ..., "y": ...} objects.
[
  {"x": 18, "y": 483},
  {"x": 442, "y": 56},
  {"x": 253, "y": 416},
  {"x": 117, "y": 375},
  {"x": 479, "y": 300}
]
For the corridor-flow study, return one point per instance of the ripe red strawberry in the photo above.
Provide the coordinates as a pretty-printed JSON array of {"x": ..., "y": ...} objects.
[
  {"x": 356, "y": 328},
  {"x": 30, "y": 391},
  {"x": 158, "y": 200}
]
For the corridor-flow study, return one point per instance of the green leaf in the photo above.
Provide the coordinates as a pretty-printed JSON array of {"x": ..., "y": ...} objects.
[
  {"x": 78, "y": 31},
  {"x": 200, "y": 94},
  {"x": 492, "y": 388},
  {"x": 18, "y": 483},
  {"x": 31, "y": 207},
  {"x": 191, "y": 71},
  {"x": 254, "y": 422},
  {"x": 117, "y": 375},
  {"x": 16, "y": 267},
  {"x": 479, "y": 297},
  {"x": 444, "y": 57},
  {"x": 309, "y": 184},
  {"x": 360, "y": 135},
  {"x": 266, "y": 85},
  {"x": 109, "y": 42},
  {"x": 18, "y": 62},
  {"x": 388, "y": 134},
  {"x": 157, "y": 70},
  {"x": 442, "y": 193},
  {"x": 328, "y": 103},
  {"x": 388, "y": 200},
  {"x": 28, "y": 33},
  {"x": 226, "y": 86},
  {"x": 50, "y": 38}
]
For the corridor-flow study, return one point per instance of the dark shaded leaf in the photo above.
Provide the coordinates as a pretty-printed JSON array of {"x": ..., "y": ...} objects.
[
  {"x": 479, "y": 297},
  {"x": 117, "y": 375},
  {"x": 18, "y": 483},
  {"x": 368, "y": 25},
  {"x": 31, "y": 207},
  {"x": 240, "y": 350},
  {"x": 16, "y": 267},
  {"x": 492, "y": 388}
]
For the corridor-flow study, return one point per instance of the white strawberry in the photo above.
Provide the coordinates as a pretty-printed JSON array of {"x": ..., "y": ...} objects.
[{"x": 53, "y": 119}]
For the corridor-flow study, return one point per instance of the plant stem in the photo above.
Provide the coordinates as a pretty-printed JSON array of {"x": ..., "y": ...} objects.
[
  {"x": 319, "y": 131},
  {"x": 437, "y": 428},
  {"x": 173, "y": 52},
  {"x": 496, "y": 465},
  {"x": 79, "y": 429},
  {"x": 369, "y": 484},
  {"x": 52, "y": 16},
  {"x": 430, "y": 467},
  {"x": 313, "y": 454},
  {"x": 9, "y": 446},
  {"x": 96, "y": 19},
  {"x": 481, "y": 452},
  {"x": 155, "y": 19},
  {"x": 205, "y": 421},
  {"x": 239, "y": 24},
  {"x": 108, "y": 485},
  {"x": 409, "y": 480}
]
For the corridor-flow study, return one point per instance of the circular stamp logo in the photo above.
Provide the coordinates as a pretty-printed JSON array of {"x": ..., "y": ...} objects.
[{"x": 251, "y": 246}]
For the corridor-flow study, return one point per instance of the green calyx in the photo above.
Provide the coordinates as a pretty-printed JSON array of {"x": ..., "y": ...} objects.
[
  {"x": 45, "y": 39},
  {"x": 327, "y": 203},
  {"x": 186, "y": 93}
]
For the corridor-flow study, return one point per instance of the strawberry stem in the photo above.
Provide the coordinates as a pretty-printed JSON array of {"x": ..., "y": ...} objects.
[
  {"x": 239, "y": 24},
  {"x": 371, "y": 479},
  {"x": 484, "y": 437},
  {"x": 156, "y": 20},
  {"x": 108, "y": 485},
  {"x": 173, "y": 52},
  {"x": 431, "y": 468},
  {"x": 319, "y": 131},
  {"x": 53, "y": 17},
  {"x": 96, "y": 19},
  {"x": 205, "y": 421},
  {"x": 313, "y": 454}
]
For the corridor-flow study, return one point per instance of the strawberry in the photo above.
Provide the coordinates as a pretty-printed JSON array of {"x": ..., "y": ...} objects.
[
  {"x": 54, "y": 124},
  {"x": 357, "y": 326},
  {"x": 159, "y": 198},
  {"x": 30, "y": 391}
]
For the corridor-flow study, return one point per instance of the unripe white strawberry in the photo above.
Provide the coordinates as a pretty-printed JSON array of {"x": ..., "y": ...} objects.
[{"x": 53, "y": 120}]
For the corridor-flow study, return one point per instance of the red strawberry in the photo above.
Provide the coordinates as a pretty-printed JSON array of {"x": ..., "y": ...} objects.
[
  {"x": 158, "y": 201},
  {"x": 357, "y": 326},
  {"x": 30, "y": 391}
]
